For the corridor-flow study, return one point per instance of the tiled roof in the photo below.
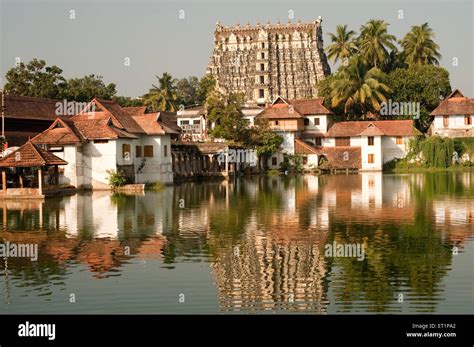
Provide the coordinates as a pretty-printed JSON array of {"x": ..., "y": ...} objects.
[
  {"x": 372, "y": 130},
  {"x": 454, "y": 104},
  {"x": 117, "y": 112},
  {"x": 135, "y": 110},
  {"x": 30, "y": 155},
  {"x": 149, "y": 123},
  {"x": 304, "y": 148},
  {"x": 336, "y": 157},
  {"x": 168, "y": 120},
  {"x": 386, "y": 127},
  {"x": 25, "y": 107},
  {"x": 294, "y": 108},
  {"x": 59, "y": 133},
  {"x": 94, "y": 129}
]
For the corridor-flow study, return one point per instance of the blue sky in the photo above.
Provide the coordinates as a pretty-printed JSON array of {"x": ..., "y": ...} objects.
[{"x": 155, "y": 39}]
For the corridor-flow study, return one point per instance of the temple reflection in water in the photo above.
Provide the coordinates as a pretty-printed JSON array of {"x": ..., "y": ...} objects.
[{"x": 263, "y": 238}]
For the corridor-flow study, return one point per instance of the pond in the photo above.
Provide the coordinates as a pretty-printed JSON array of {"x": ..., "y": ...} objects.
[{"x": 248, "y": 245}]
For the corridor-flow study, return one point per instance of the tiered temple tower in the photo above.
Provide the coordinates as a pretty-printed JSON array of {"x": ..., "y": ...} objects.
[{"x": 266, "y": 61}]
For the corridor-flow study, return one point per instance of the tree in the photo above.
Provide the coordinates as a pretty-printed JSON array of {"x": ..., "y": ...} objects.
[
  {"x": 343, "y": 45},
  {"x": 126, "y": 101},
  {"x": 87, "y": 88},
  {"x": 187, "y": 91},
  {"x": 207, "y": 84},
  {"x": 419, "y": 47},
  {"x": 226, "y": 112},
  {"x": 375, "y": 42},
  {"x": 358, "y": 87},
  {"x": 35, "y": 79},
  {"x": 162, "y": 98},
  {"x": 265, "y": 141},
  {"x": 426, "y": 84}
]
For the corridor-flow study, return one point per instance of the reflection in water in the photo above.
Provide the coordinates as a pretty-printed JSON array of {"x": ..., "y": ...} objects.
[{"x": 261, "y": 239}]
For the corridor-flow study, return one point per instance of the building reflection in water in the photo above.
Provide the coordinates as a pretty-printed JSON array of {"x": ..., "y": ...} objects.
[{"x": 263, "y": 237}]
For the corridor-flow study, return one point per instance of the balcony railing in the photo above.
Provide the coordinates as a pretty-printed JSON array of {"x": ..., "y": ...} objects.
[{"x": 191, "y": 128}]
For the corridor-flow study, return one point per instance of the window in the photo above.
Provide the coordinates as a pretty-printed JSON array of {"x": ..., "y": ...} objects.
[
  {"x": 262, "y": 67},
  {"x": 276, "y": 122},
  {"x": 263, "y": 44},
  {"x": 370, "y": 140},
  {"x": 165, "y": 151},
  {"x": 445, "y": 121},
  {"x": 138, "y": 151},
  {"x": 343, "y": 141},
  {"x": 305, "y": 160},
  {"x": 274, "y": 160},
  {"x": 316, "y": 121},
  {"x": 306, "y": 121},
  {"x": 467, "y": 120},
  {"x": 371, "y": 158},
  {"x": 196, "y": 121},
  {"x": 148, "y": 151},
  {"x": 184, "y": 122},
  {"x": 262, "y": 55},
  {"x": 101, "y": 141},
  {"x": 126, "y": 151},
  {"x": 399, "y": 140},
  {"x": 261, "y": 93},
  {"x": 262, "y": 79},
  {"x": 317, "y": 141}
]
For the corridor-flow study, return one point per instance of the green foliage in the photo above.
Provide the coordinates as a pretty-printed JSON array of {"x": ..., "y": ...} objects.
[
  {"x": 264, "y": 139},
  {"x": 375, "y": 43},
  {"x": 426, "y": 84},
  {"x": 419, "y": 47},
  {"x": 87, "y": 88},
  {"x": 162, "y": 97},
  {"x": 226, "y": 112},
  {"x": 187, "y": 91},
  {"x": 116, "y": 178},
  {"x": 438, "y": 151},
  {"x": 35, "y": 79},
  {"x": 273, "y": 172},
  {"x": 126, "y": 101},
  {"x": 292, "y": 163},
  {"x": 359, "y": 88},
  {"x": 207, "y": 85},
  {"x": 342, "y": 45}
]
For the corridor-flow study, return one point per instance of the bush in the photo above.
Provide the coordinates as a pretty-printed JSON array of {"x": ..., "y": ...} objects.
[
  {"x": 116, "y": 178},
  {"x": 273, "y": 172},
  {"x": 155, "y": 186}
]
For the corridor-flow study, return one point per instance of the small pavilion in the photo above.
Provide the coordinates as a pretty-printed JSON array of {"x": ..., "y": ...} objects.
[{"x": 23, "y": 172}]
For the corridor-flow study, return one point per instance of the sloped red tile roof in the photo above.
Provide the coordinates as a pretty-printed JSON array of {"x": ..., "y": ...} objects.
[
  {"x": 168, "y": 120},
  {"x": 372, "y": 130},
  {"x": 149, "y": 123},
  {"x": 454, "y": 104},
  {"x": 336, "y": 157},
  {"x": 94, "y": 129},
  {"x": 59, "y": 133},
  {"x": 302, "y": 147},
  {"x": 387, "y": 127},
  {"x": 294, "y": 108},
  {"x": 117, "y": 112},
  {"x": 135, "y": 110},
  {"x": 30, "y": 155},
  {"x": 25, "y": 107}
]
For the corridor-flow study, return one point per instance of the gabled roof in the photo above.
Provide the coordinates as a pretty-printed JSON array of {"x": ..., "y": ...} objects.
[
  {"x": 294, "y": 108},
  {"x": 383, "y": 127},
  {"x": 135, "y": 110},
  {"x": 94, "y": 129},
  {"x": 302, "y": 147},
  {"x": 25, "y": 107},
  {"x": 168, "y": 120},
  {"x": 455, "y": 104},
  {"x": 149, "y": 123},
  {"x": 30, "y": 155},
  {"x": 59, "y": 133}
]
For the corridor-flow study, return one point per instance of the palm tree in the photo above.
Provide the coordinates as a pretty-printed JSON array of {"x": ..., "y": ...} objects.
[
  {"x": 357, "y": 85},
  {"x": 162, "y": 98},
  {"x": 419, "y": 47},
  {"x": 374, "y": 42},
  {"x": 343, "y": 45}
]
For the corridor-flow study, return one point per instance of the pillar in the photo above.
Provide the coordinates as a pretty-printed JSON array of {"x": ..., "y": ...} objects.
[
  {"x": 40, "y": 181},
  {"x": 4, "y": 182}
]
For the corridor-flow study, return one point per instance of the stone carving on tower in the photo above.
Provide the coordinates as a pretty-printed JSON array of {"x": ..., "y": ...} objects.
[{"x": 266, "y": 61}]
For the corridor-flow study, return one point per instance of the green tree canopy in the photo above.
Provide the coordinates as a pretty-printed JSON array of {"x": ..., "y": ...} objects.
[
  {"x": 187, "y": 91},
  {"x": 375, "y": 43},
  {"x": 419, "y": 47},
  {"x": 162, "y": 97},
  {"x": 35, "y": 79},
  {"x": 207, "y": 85},
  {"x": 342, "y": 45},
  {"x": 87, "y": 88}
]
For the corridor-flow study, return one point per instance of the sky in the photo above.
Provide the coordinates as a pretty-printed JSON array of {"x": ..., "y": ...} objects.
[{"x": 177, "y": 36}]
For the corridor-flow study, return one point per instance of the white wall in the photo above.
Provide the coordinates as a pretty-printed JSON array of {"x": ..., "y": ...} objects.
[
  {"x": 376, "y": 150},
  {"x": 455, "y": 122},
  {"x": 97, "y": 158},
  {"x": 157, "y": 168},
  {"x": 323, "y": 123},
  {"x": 391, "y": 150}
]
